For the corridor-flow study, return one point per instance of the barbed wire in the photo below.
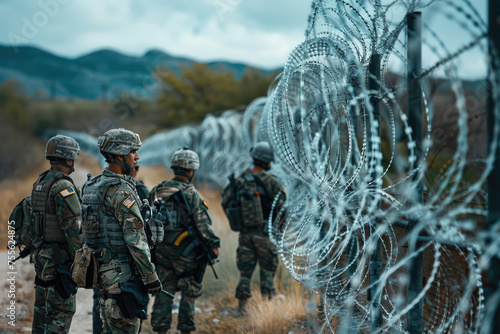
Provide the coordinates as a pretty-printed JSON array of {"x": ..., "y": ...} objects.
[{"x": 356, "y": 176}]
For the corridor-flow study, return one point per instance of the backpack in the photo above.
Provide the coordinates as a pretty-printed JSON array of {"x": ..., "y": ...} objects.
[
  {"x": 21, "y": 219},
  {"x": 245, "y": 211}
]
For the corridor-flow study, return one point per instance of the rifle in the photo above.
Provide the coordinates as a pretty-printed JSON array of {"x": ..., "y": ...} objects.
[
  {"x": 171, "y": 295},
  {"x": 206, "y": 253},
  {"x": 23, "y": 253}
]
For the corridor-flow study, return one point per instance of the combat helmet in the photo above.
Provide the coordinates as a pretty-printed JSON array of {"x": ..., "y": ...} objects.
[
  {"x": 185, "y": 158},
  {"x": 119, "y": 142},
  {"x": 262, "y": 151},
  {"x": 62, "y": 147}
]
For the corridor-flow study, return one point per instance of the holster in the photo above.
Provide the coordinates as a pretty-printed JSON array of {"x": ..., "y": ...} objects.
[
  {"x": 64, "y": 284},
  {"x": 234, "y": 217},
  {"x": 133, "y": 299}
]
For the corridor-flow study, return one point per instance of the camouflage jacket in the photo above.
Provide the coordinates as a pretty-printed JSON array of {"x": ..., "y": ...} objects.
[
  {"x": 172, "y": 256},
  {"x": 272, "y": 188},
  {"x": 123, "y": 202},
  {"x": 66, "y": 200}
]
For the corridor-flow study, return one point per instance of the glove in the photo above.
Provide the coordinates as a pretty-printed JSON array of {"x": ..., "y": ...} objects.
[
  {"x": 157, "y": 230},
  {"x": 154, "y": 288}
]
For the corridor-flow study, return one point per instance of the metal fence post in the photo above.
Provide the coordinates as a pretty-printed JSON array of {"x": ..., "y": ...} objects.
[
  {"x": 494, "y": 177},
  {"x": 414, "y": 89}
]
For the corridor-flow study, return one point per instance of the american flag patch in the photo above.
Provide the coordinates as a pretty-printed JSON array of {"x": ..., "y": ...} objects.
[
  {"x": 129, "y": 201},
  {"x": 68, "y": 191}
]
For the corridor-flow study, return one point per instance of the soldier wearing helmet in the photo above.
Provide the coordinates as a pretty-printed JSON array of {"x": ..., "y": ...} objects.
[
  {"x": 57, "y": 218},
  {"x": 113, "y": 225},
  {"x": 248, "y": 202},
  {"x": 176, "y": 258}
]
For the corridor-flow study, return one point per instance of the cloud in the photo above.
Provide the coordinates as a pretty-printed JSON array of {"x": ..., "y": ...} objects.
[{"x": 258, "y": 32}]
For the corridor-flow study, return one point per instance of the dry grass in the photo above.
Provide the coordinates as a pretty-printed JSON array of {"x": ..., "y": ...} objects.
[{"x": 279, "y": 315}]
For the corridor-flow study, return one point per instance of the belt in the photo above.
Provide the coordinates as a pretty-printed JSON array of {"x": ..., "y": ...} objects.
[
  {"x": 107, "y": 295},
  {"x": 44, "y": 284}
]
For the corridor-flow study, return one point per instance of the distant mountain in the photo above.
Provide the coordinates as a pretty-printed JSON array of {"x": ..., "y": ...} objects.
[{"x": 103, "y": 72}]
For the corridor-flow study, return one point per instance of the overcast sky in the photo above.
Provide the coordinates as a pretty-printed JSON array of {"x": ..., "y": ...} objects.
[{"x": 257, "y": 32}]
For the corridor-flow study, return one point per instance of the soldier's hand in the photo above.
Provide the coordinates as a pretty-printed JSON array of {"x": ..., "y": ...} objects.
[
  {"x": 216, "y": 252},
  {"x": 154, "y": 288}
]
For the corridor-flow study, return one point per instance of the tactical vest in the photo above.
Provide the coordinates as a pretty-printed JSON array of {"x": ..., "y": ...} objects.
[
  {"x": 172, "y": 212},
  {"x": 252, "y": 197},
  {"x": 46, "y": 224},
  {"x": 100, "y": 229}
]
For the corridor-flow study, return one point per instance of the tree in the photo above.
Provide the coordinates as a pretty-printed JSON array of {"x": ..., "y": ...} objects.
[
  {"x": 200, "y": 90},
  {"x": 13, "y": 103}
]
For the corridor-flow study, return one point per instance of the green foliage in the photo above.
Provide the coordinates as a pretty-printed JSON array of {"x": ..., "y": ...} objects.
[
  {"x": 200, "y": 90},
  {"x": 13, "y": 103}
]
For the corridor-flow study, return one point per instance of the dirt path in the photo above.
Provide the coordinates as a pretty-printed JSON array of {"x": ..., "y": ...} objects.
[{"x": 22, "y": 293}]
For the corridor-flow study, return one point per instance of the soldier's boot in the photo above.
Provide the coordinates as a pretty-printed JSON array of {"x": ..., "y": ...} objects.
[
  {"x": 242, "y": 306},
  {"x": 163, "y": 331},
  {"x": 185, "y": 332}
]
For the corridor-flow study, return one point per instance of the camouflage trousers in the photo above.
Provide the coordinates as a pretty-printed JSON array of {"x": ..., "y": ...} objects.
[
  {"x": 52, "y": 314},
  {"x": 255, "y": 247},
  {"x": 161, "y": 317},
  {"x": 113, "y": 320}
]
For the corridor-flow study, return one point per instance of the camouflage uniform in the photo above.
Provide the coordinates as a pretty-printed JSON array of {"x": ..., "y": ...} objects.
[
  {"x": 254, "y": 245},
  {"x": 52, "y": 312},
  {"x": 176, "y": 264},
  {"x": 113, "y": 225},
  {"x": 143, "y": 193},
  {"x": 122, "y": 203}
]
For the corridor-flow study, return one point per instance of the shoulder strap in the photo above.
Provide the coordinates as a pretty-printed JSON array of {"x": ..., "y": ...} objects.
[{"x": 261, "y": 183}]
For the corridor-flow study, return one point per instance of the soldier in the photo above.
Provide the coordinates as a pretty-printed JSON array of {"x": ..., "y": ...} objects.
[
  {"x": 143, "y": 193},
  {"x": 114, "y": 228},
  {"x": 252, "y": 195},
  {"x": 176, "y": 258},
  {"x": 57, "y": 217}
]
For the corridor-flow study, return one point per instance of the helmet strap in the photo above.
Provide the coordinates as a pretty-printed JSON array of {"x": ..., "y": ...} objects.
[
  {"x": 110, "y": 158},
  {"x": 62, "y": 162},
  {"x": 264, "y": 165}
]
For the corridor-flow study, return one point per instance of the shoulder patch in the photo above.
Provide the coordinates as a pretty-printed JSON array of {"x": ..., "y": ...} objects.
[
  {"x": 129, "y": 201},
  {"x": 67, "y": 192}
]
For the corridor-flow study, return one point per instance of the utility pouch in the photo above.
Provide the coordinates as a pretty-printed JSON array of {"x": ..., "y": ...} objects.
[
  {"x": 64, "y": 284},
  {"x": 37, "y": 224},
  {"x": 234, "y": 217},
  {"x": 133, "y": 299},
  {"x": 85, "y": 269}
]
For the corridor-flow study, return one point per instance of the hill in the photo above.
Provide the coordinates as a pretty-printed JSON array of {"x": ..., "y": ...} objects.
[{"x": 103, "y": 73}]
